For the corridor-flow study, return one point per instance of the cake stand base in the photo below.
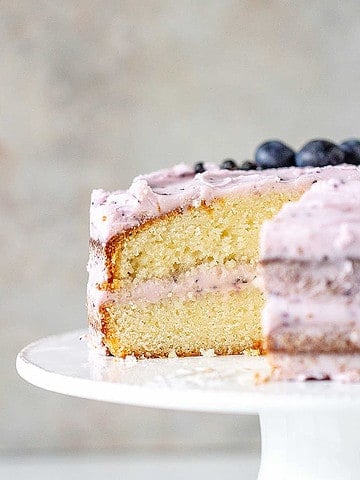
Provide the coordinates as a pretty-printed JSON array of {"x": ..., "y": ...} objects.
[
  {"x": 310, "y": 445},
  {"x": 310, "y": 431}
]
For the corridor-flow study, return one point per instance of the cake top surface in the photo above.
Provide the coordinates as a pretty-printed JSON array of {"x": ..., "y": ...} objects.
[
  {"x": 160, "y": 192},
  {"x": 324, "y": 224}
]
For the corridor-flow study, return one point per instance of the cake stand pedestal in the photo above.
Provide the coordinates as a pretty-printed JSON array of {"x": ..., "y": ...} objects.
[{"x": 310, "y": 431}]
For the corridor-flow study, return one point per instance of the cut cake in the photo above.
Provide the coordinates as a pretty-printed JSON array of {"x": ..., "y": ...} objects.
[{"x": 173, "y": 259}]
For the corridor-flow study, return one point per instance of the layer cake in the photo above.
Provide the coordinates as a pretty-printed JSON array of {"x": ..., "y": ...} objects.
[{"x": 173, "y": 259}]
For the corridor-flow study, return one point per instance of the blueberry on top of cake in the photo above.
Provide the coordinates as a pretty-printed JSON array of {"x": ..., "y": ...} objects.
[
  {"x": 274, "y": 154},
  {"x": 351, "y": 149}
]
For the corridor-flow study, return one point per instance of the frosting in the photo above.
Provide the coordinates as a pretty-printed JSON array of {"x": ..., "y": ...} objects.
[
  {"x": 309, "y": 314},
  {"x": 324, "y": 224},
  {"x": 158, "y": 193},
  {"x": 194, "y": 282}
]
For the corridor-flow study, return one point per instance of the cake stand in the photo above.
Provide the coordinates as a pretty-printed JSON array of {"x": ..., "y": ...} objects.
[{"x": 309, "y": 431}]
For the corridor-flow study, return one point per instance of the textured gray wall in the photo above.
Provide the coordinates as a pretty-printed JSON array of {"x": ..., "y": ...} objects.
[{"x": 94, "y": 92}]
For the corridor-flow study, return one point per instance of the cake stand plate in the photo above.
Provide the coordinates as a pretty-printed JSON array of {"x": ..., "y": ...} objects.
[{"x": 309, "y": 430}]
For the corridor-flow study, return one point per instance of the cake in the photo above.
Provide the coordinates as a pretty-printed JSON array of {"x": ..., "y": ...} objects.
[
  {"x": 310, "y": 257},
  {"x": 173, "y": 259}
]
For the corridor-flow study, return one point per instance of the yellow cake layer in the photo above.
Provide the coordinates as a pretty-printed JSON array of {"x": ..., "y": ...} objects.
[
  {"x": 228, "y": 322},
  {"x": 225, "y": 232}
]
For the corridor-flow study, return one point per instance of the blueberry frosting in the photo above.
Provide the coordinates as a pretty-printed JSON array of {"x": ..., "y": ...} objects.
[
  {"x": 158, "y": 193},
  {"x": 323, "y": 225}
]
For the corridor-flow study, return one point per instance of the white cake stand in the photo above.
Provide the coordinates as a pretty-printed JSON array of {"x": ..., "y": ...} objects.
[{"x": 309, "y": 430}]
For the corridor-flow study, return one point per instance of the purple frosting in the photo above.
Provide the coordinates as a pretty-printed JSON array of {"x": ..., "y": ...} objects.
[{"x": 160, "y": 192}]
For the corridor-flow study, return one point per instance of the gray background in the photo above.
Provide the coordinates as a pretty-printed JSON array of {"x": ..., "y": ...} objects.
[{"x": 94, "y": 92}]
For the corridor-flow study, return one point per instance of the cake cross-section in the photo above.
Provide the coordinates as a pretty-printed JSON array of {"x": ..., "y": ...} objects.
[{"x": 173, "y": 259}]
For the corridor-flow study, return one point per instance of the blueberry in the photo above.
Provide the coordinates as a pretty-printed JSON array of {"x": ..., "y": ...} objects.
[
  {"x": 199, "y": 167},
  {"x": 247, "y": 165},
  {"x": 274, "y": 154},
  {"x": 351, "y": 148},
  {"x": 228, "y": 164},
  {"x": 319, "y": 153}
]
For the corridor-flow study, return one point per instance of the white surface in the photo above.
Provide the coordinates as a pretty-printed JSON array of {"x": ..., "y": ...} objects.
[
  {"x": 64, "y": 364},
  {"x": 175, "y": 466},
  {"x": 310, "y": 445}
]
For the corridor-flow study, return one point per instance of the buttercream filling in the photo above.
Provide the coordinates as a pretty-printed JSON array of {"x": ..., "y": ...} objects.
[
  {"x": 281, "y": 312},
  {"x": 197, "y": 281}
]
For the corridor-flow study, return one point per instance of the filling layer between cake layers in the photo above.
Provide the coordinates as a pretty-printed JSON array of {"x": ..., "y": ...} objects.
[
  {"x": 173, "y": 259},
  {"x": 310, "y": 254}
]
